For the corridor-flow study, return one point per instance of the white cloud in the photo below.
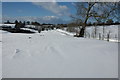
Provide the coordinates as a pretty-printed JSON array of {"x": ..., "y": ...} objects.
[
  {"x": 49, "y": 17},
  {"x": 53, "y": 7}
]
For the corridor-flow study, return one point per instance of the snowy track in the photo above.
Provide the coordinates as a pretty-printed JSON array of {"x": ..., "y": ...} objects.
[{"x": 54, "y": 55}]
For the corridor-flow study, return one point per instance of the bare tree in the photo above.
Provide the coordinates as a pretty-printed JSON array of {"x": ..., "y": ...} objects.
[
  {"x": 107, "y": 13},
  {"x": 93, "y": 11}
]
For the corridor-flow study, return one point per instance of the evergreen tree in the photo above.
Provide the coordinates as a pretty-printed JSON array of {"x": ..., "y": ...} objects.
[
  {"x": 8, "y": 22},
  {"x": 16, "y": 22},
  {"x": 28, "y": 22}
]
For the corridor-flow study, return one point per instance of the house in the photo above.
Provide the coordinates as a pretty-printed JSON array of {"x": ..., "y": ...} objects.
[{"x": 48, "y": 26}]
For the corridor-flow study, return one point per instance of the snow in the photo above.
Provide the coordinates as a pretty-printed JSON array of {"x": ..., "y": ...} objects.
[
  {"x": 29, "y": 29},
  {"x": 30, "y": 26},
  {"x": 0, "y": 55},
  {"x": 7, "y": 25},
  {"x": 113, "y": 29},
  {"x": 51, "y": 54},
  {"x": 65, "y": 32}
]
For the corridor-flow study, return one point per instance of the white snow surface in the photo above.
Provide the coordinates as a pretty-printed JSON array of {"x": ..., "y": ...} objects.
[
  {"x": 0, "y": 55},
  {"x": 51, "y": 54},
  {"x": 7, "y": 25},
  {"x": 29, "y": 29},
  {"x": 65, "y": 32},
  {"x": 112, "y": 30},
  {"x": 30, "y": 26}
]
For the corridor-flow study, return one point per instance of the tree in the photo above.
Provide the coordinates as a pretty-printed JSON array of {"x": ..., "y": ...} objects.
[
  {"x": 24, "y": 23},
  {"x": 117, "y": 12},
  {"x": 106, "y": 13},
  {"x": 28, "y": 22},
  {"x": 109, "y": 21},
  {"x": 16, "y": 22},
  {"x": 18, "y": 25},
  {"x": 83, "y": 14},
  {"x": 20, "y": 22},
  {"x": 117, "y": 22},
  {"x": 35, "y": 23},
  {"x": 8, "y": 22},
  {"x": 70, "y": 27},
  {"x": 93, "y": 11}
]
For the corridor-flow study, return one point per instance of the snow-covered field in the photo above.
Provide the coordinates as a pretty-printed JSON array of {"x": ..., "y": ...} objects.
[
  {"x": 52, "y": 54},
  {"x": 29, "y": 29},
  {"x": 112, "y": 30},
  {"x": 0, "y": 55},
  {"x": 7, "y": 25}
]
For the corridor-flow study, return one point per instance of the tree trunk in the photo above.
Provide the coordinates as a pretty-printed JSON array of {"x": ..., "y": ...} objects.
[
  {"x": 95, "y": 31},
  {"x": 82, "y": 31}
]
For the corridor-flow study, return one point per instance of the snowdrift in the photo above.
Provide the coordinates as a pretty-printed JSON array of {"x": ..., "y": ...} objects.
[{"x": 51, "y": 54}]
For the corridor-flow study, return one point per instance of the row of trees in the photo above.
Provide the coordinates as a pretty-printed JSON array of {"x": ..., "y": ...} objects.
[
  {"x": 108, "y": 22},
  {"x": 24, "y": 22},
  {"x": 20, "y": 24}
]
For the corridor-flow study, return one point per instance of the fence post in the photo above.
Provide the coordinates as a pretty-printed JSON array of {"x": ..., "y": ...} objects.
[
  {"x": 95, "y": 31},
  {"x": 99, "y": 36},
  {"x": 116, "y": 38},
  {"x": 103, "y": 32},
  {"x": 108, "y": 36},
  {"x": 103, "y": 37}
]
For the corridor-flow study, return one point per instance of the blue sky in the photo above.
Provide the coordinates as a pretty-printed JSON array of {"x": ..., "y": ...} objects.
[{"x": 44, "y": 12}]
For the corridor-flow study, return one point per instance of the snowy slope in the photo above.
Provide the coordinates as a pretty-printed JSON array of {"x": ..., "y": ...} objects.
[
  {"x": 7, "y": 25},
  {"x": 29, "y": 29},
  {"x": 0, "y": 55},
  {"x": 51, "y": 54},
  {"x": 112, "y": 30},
  {"x": 65, "y": 32}
]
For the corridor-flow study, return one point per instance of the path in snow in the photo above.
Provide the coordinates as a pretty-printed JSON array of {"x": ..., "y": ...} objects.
[{"x": 54, "y": 55}]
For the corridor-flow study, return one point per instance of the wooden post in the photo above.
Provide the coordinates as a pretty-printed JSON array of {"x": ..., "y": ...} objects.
[
  {"x": 99, "y": 36},
  {"x": 108, "y": 36}
]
